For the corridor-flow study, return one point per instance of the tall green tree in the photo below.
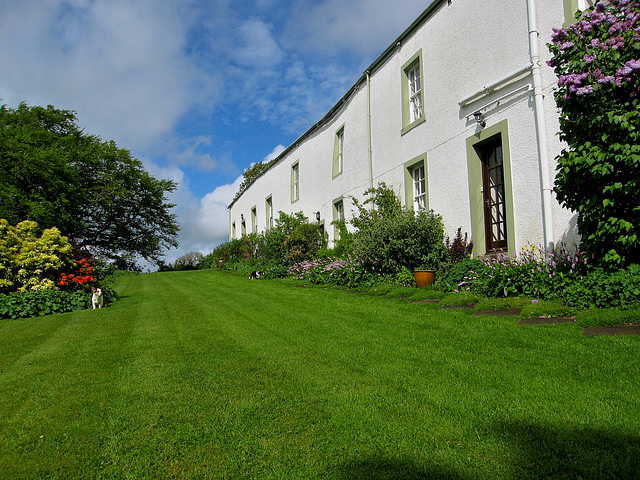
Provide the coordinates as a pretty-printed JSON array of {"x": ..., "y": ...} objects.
[
  {"x": 597, "y": 61},
  {"x": 53, "y": 173}
]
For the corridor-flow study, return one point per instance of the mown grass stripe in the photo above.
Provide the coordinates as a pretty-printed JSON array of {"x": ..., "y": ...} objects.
[{"x": 208, "y": 375}]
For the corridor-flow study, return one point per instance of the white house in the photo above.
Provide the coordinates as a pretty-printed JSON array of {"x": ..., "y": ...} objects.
[{"x": 457, "y": 115}]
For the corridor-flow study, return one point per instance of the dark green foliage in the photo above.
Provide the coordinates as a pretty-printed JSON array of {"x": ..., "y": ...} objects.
[
  {"x": 344, "y": 244},
  {"x": 42, "y": 302},
  {"x": 448, "y": 279},
  {"x": 292, "y": 239},
  {"x": 598, "y": 176},
  {"x": 250, "y": 175},
  {"x": 53, "y": 173},
  {"x": 390, "y": 237},
  {"x": 601, "y": 289}
]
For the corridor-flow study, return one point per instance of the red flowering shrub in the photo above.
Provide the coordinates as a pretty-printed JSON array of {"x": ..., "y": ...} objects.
[{"x": 82, "y": 277}]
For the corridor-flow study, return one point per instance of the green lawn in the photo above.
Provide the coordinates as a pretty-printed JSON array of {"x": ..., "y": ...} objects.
[{"x": 208, "y": 375}]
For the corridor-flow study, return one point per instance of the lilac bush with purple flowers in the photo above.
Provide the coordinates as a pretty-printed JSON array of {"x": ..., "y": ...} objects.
[{"x": 597, "y": 61}]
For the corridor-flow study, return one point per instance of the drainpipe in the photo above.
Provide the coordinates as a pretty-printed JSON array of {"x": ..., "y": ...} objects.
[
  {"x": 369, "y": 130},
  {"x": 541, "y": 129}
]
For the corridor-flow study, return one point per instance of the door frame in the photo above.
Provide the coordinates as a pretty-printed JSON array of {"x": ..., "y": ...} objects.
[{"x": 476, "y": 200}]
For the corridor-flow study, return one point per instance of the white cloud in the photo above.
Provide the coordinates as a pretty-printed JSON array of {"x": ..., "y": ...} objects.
[
  {"x": 361, "y": 27},
  {"x": 274, "y": 153},
  {"x": 257, "y": 46},
  {"x": 119, "y": 64}
]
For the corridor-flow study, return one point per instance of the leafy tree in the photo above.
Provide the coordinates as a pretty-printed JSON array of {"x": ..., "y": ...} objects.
[
  {"x": 598, "y": 175},
  {"x": 53, "y": 173},
  {"x": 250, "y": 175},
  {"x": 189, "y": 261}
]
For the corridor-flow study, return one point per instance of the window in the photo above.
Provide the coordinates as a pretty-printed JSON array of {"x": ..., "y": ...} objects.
[
  {"x": 243, "y": 227},
  {"x": 412, "y": 93},
  {"x": 269, "y": 212},
  {"x": 338, "y": 153},
  {"x": 254, "y": 220},
  {"x": 233, "y": 230},
  {"x": 415, "y": 94},
  {"x": 295, "y": 182},
  {"x": 419, "y": 191},
  {"x": 415, "y": 177},
  {"x": 338, "y": 216},
  {"x": 584, "y": 4},
  {"x": 572, "y": 6}
]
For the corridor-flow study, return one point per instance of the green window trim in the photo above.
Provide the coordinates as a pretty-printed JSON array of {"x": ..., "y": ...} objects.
[
  {"x": 295, "y": 182},
  {"x": 414, "y": 63},
  {"x": 476, "y": 200},
  {"x": 338, "y": 153},
  {"x": 409, "y": 188}
]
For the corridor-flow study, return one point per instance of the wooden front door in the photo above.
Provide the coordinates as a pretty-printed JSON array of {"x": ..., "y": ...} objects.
[{"x": 495, "y": 218}]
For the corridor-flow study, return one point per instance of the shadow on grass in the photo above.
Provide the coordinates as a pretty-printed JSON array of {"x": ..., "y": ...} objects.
[
  {"x": 549, "y": 451},
  {"x": 385, "y": 468},
  {"x": 540, "y": 451}
]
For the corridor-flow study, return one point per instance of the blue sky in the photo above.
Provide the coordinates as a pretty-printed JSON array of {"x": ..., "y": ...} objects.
[{"x": 196, "y": 89}]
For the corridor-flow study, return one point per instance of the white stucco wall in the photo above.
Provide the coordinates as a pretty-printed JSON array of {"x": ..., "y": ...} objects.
[{"x": 464, "y": 45}]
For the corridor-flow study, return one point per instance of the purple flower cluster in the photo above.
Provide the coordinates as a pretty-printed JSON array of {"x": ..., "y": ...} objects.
[
  {"x": 348, "y": 270},
  {"x": 529, "y": 273},
  {"x": 582, "y": 57}
]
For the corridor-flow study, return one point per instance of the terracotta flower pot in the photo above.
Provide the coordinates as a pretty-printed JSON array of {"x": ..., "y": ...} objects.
[{"x": 424, "y": 278}]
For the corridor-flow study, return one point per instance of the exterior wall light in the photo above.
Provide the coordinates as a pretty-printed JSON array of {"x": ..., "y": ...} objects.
[
  {"x": 317, "y": 216},
  {"x": 479, "y": 120}
]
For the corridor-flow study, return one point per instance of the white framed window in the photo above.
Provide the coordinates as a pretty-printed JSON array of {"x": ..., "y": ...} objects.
[
  {"x": 415, "y": 94},
  {"x": 412, "y": 89},
  {"x": 584, "y": 4},
  {"x": 295, "y": 182},
  {"x": 338, "y": 153},
  {"x": 416, "y": 186},
  {"x": 338, "y": 216},
  {"x": 254, "y": 220},
  {"x": 268, "y": 203},
  {"x": 339, "y": 206},
  {"x": 419, "y": 188}
]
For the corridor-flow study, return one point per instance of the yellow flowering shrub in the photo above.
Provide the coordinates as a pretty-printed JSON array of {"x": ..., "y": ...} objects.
[{"x": 29, "y": 261}]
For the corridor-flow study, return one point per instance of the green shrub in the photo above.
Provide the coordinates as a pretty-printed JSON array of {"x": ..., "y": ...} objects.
[
  {"x": 390, "y": 237},
  {"x": 449, "y": 278},
  {"x": 30, "y": 260},
  {"x": 42, "y": 302},
  {"x": 601, "y": 289}
]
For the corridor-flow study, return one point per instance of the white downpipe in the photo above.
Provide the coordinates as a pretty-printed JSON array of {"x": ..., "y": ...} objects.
[
  {"x": 541, "y": 129},
  {"x": 369, "y": 140}
]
